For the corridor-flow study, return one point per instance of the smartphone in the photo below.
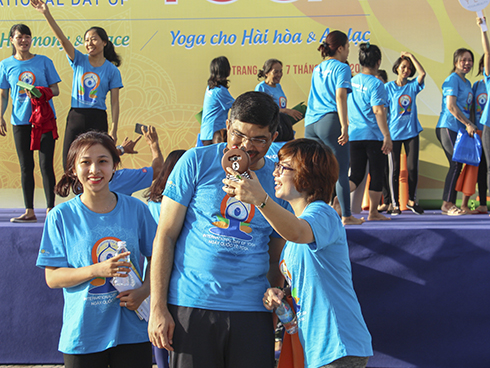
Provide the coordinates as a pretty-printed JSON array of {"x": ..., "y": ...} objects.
[{"x": 138, "y": 127}]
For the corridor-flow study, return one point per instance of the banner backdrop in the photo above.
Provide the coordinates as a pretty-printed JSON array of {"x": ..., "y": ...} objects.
[{"x": 167, "y": 45}]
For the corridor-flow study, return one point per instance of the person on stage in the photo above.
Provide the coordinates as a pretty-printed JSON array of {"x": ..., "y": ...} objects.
[
  {"x": 315, "y": 260},
  {"x": 94, "y": 75},
  {"x": 404, "y": 128},
  {"x": 326, "y": 117},
  {"x": 37, "y": 70},
  {"x": 457, "y": 100},
  {"x": 78, "y": 252},
  {"x": 484, "y": 122},
  {"x": 272, "y": 74},
  {"x": 217, "y": 100},
  {"x": 369, "y": 135}
]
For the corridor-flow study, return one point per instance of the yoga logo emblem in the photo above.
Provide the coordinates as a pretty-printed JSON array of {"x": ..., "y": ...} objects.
[
  {"x": 88, "y": 90},
  {"x": 282, "y": 102},
  {"x": 236, "y": 219},
  {"x": 481, "y": 101},
  {"x": 405, "y": 105},
  {"x": 26, "y": 77},
  {"x": 469, "y": 101},
  {"x": 104, "y": 249}
]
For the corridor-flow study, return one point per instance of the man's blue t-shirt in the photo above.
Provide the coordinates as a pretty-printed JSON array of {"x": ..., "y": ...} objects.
[
  {"x": 480, "y": 96},
  {"x": 75, "y": 237},
  {"x": 455, "y": 86},
  {"x": 128, "y": 181},
  {"x": 330, "y": 320},
  {"x": 275, "y": 92},
  {"x": 367, "y": 92},
  {"x": 274, "y": 150},
  {"x": 38, "y": 71},
  {"x": 327, "y": 77},
  {"x": 221, "y": 255},
  {"x": 403, "y": 120},
  {"x": 217, "y": 102},
  {"x": 91, "y": 84}
]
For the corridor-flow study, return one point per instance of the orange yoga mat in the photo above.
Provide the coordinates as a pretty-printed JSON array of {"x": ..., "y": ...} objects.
[{"x": 291, "y": 351}]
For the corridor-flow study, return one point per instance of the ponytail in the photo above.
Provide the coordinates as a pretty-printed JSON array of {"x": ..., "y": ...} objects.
[
  {"x": 67, "y": 182},
  {"x": 111, "y": 55}
]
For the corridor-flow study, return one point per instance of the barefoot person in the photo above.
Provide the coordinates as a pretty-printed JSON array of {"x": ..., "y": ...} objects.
[
  {"x": 368, "y": 130},
  {"x": 326, "y": 117},
  {"x": 39, "y": 71}
]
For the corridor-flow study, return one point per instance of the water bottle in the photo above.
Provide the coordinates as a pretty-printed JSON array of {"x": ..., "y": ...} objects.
[
  {"x": 121, "y": 281},
  {"x": 287, "y": 317}
]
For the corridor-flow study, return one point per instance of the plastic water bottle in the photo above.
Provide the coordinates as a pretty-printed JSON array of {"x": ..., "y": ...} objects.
[
  {"x": 287, "y": 317},
  {"x": 121, "y": 281}
]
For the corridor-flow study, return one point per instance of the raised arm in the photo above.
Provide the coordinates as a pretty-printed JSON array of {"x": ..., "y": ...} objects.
[
  {"x": 114, "y": 113},
  {"x": 284, "y": 222},
  {"x": 486, "y": 48},
  {"x": 4, "y": 100},
  {"x": 151, "y": 137},
  {"x": 42, "y": 7},
  {"x": 418, "y": 67},
  {"x": 161, "y": 324}
]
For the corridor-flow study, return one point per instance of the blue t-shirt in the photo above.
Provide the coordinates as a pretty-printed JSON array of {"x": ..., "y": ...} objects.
[
  {"x": 327, "y": 77},
  {"x": 38, "y": 71},
  {"x": 455, "y": 86},
  {"x": 217, "y": 102},
  {"x": 275, "y": 92},
  {"x": 274, "y": 150},
  {"x": 330, "y": 320},
  {"x": 480, "y": 101},
  {"x": 154, "y": 208},
  {"x": 403, "y": 121},
  {"x": 75, "y": 237},
  {"x": 221, "y": 256},
  {"x": 128, "y": 181},
  {"x": 90, "y": 84},
  {"x": 367, "y": 92}
]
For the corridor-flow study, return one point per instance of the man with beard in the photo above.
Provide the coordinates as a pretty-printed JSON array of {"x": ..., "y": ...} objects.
[{"x": 211, "y": 254}]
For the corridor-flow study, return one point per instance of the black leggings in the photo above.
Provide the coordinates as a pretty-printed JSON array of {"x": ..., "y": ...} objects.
[
  {"x": 121, "y": 356},
  {"x": 447, "y": 138},
  {"x": 360, "y": 153},
  {"x": 80, "y": 121},
  {"x": 22, "y": 139},
  {"x": 412, "y": 150}
]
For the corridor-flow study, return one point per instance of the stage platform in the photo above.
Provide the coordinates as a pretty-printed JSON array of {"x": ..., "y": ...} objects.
[{"x": 422, "y": 281}]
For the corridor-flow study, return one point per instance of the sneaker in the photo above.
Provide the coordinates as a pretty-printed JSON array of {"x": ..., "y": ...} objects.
[
  {"x": 395, "y": 211},
  {"x": 416, "y": 208}
]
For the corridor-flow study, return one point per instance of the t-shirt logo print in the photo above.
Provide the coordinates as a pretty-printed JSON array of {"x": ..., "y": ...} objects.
[
  {"x": 103, "y": 249},
  {"x": 88, "y": 89},
  {"x": 404, "y": 105},
  {"x": 236, "y": 219},
  {"x": 26, "y": 77}
]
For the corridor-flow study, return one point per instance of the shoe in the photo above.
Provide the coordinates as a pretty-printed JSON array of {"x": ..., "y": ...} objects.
[
  {"x": 454, "y": 211},
  {"x": 24, "y": 219},
  {"x": 416, "y": 208},
  {"x": 395, "y": 211}
]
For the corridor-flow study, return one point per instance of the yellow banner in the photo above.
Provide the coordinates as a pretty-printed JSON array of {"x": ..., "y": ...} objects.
[{"x": 167, "y": 45}]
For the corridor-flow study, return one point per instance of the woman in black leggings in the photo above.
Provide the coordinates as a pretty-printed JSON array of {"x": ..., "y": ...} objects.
[
  {"x": 35, "y": 70},
  {"x": 370, "y": 138}
]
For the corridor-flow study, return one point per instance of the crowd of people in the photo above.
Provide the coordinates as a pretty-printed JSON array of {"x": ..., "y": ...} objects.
[{"x": 217, "y": 249}]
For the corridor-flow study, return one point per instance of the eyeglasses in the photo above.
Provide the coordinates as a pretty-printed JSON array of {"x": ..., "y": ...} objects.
[
  {"x": 259, "y": 142},
  {"x": 280, "y": 168}
]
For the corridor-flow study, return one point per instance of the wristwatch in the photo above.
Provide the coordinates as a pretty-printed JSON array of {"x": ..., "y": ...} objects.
[{"x": 121, "y": 150}]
